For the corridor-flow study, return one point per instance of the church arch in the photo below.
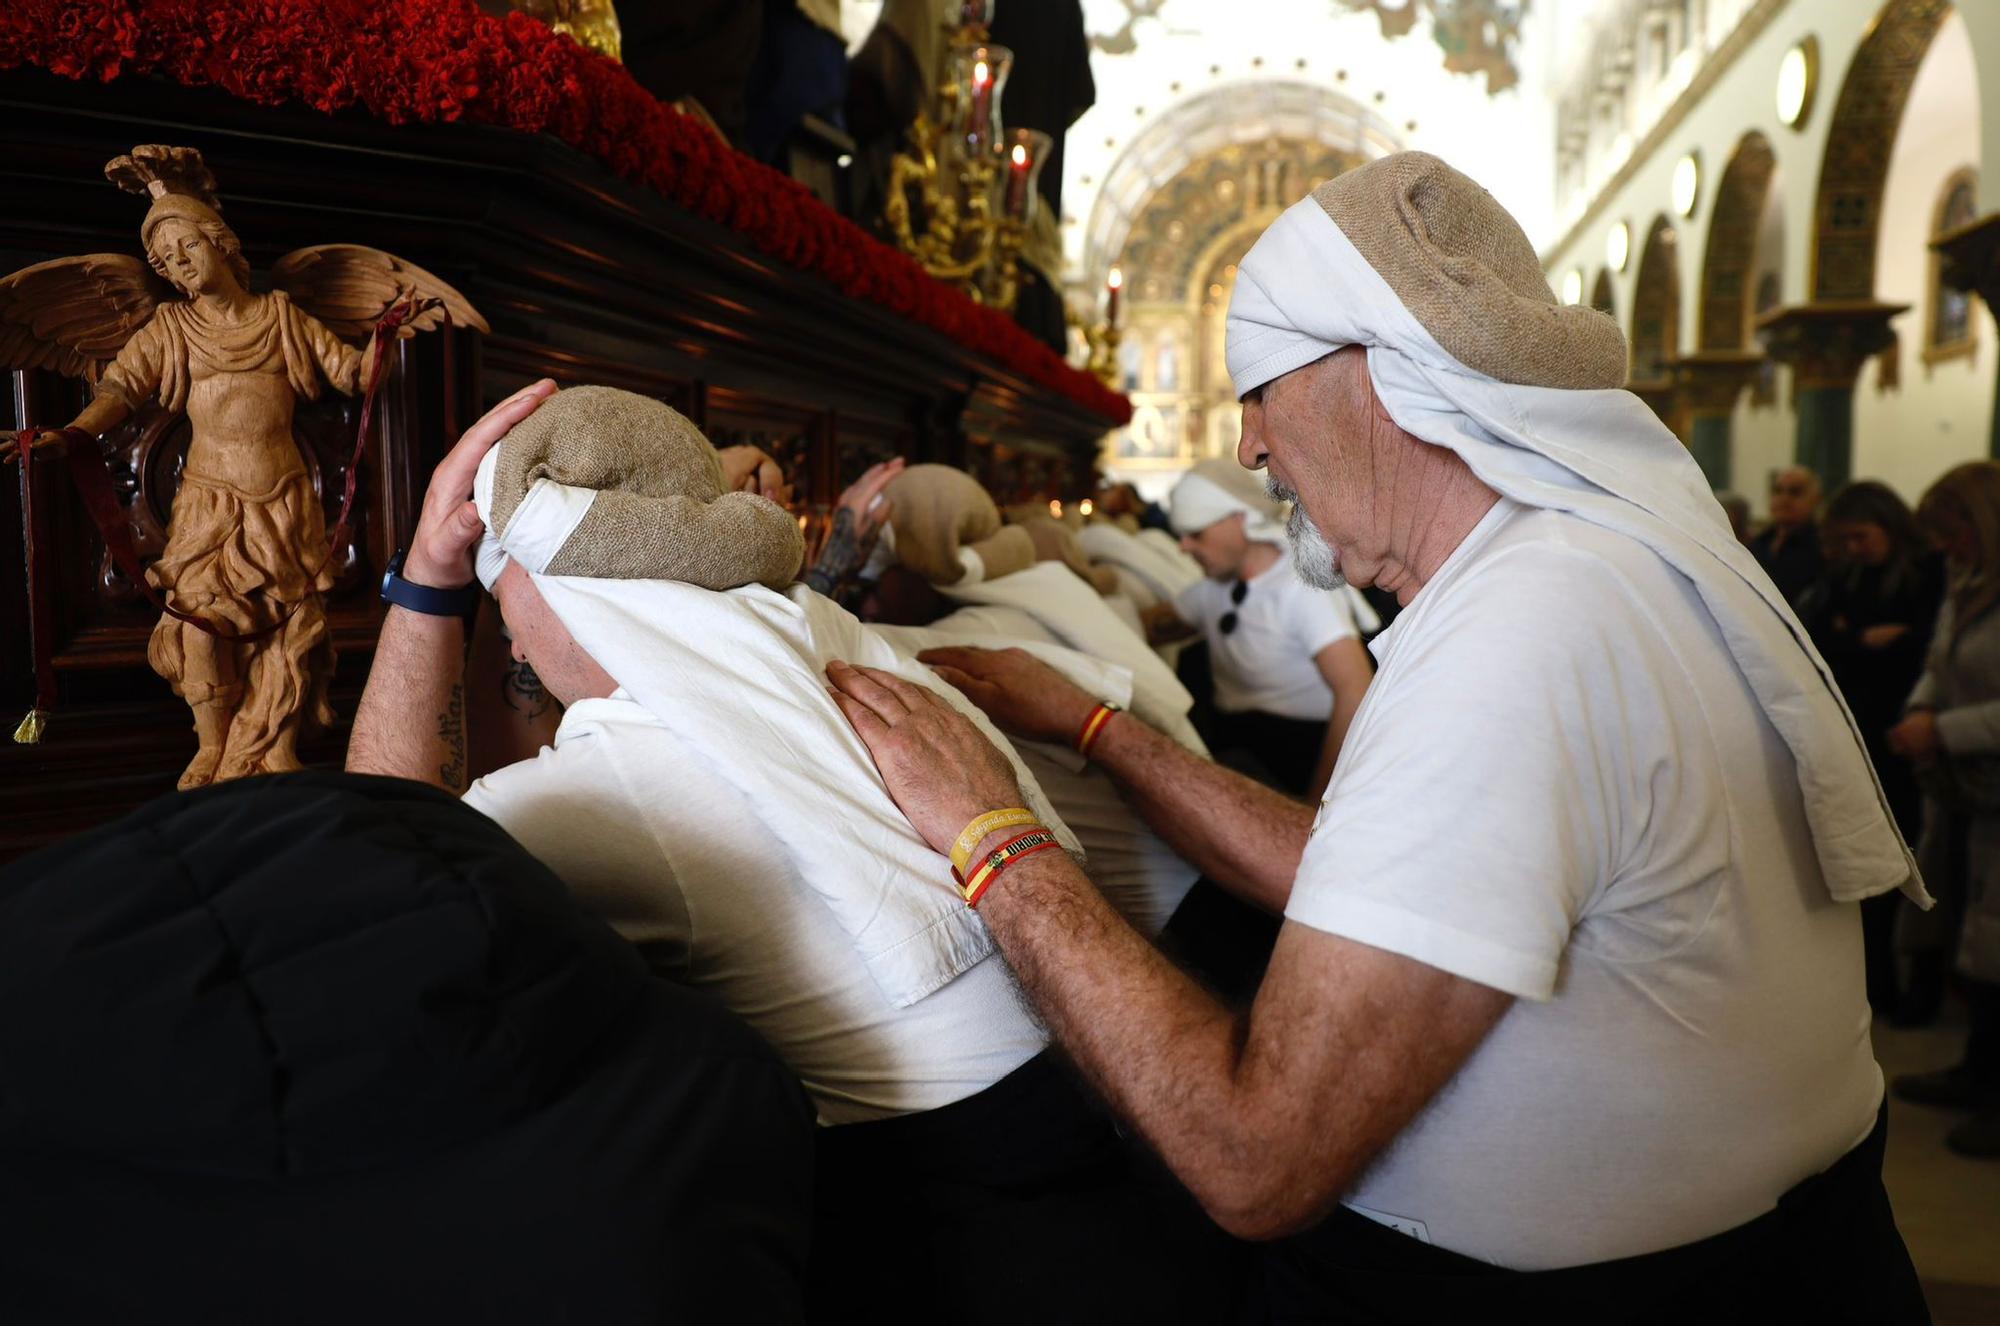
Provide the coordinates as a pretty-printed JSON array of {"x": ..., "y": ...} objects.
[
  {"x": 1847, "y": 211},
  {"x": 1730, "y": 260},
  {"x": 1242, "y": 115},
  {"x": 1604, "y": 293},
  {"x": 1656, "y": 307}
]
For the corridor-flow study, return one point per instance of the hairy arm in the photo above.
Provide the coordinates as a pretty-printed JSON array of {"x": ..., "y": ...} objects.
[
  {"x": 411, "y": 722},
  {"x": 1345, "y": 665},
  {"x": 1267, "y": 1118},
  {"x": 1238, "y": 832}
]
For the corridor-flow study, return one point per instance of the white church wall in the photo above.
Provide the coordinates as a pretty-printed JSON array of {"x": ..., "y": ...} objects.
[
  {"x": 1762, "y": 438},
  {"x": 1940, "y": 413}
]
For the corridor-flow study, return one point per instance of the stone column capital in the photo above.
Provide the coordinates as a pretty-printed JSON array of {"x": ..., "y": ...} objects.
[
  {"x": 1827, "y": 343},
  {"x": 1710, "y": 380},
  {"x": 1971, "y": 258}
]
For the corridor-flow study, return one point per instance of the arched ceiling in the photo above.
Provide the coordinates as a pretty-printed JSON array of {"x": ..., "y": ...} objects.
[{"x": 1223, "y": 133}]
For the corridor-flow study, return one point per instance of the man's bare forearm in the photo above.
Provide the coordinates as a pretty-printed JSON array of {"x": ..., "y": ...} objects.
[
  {"x": 411, "y": 723},
  {"x": 1238, "y": 832},
  {"x": 1256, "y": 1150}
]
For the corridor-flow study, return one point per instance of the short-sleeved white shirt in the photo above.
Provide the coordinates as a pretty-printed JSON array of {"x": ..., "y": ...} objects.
[
  {"x": 1270, "y": 662},
  {"x": 1560, "y": 786},
  {"x": 648, "y": 838}
]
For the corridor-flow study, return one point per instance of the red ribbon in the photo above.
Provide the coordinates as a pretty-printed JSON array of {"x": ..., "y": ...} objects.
[{"x": 92, "y": 476}]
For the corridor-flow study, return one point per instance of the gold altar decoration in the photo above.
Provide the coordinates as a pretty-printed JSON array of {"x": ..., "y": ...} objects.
[
  {"x": 247, "y": 547},
  {"x": 1102, "y": 338},
  {"x": 964, "y": 196},
  {"x": 593, "y": 23}
]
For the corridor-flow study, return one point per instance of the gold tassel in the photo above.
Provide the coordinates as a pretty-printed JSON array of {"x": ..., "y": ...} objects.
[{"x": 29, "y": 733}]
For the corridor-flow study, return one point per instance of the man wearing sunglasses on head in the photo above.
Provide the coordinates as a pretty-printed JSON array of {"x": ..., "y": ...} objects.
[{"x": 1287, "y": 659}]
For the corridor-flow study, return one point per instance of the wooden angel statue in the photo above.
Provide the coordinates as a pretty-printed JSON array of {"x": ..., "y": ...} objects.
[{"x": 246, "y": 548}]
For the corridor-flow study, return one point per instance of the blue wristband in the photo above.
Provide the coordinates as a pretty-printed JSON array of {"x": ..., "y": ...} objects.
[{"x": 462, "y": 602}]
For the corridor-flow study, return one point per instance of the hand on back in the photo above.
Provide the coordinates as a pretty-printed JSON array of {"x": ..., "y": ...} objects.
[{"x": 1024, "y": 696}]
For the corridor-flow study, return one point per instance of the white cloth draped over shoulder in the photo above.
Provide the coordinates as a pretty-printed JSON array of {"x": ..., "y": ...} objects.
[
  {"x": 1164, "y": 571},
  {"x": 740, "y": 676},
  {"x": 1072, "y": 611},
  {"x": 1304, "y": 291}
]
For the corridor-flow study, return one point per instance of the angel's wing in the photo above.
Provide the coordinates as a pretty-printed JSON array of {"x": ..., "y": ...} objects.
[
  {"x": 74, "y": 315},
  {"x": 349, "y": 286}
]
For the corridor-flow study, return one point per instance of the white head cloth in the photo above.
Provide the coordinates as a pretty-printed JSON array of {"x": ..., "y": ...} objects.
[
  {"x": 1305, "y": 291},
  {"x": 1198, "y": 501}
]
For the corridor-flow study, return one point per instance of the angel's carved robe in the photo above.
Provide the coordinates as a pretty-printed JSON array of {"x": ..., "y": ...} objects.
[{"x": 247, "y": 544}]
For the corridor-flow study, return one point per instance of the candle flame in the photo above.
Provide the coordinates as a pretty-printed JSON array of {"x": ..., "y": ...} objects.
[
  {"x": 1020, "y": 155},
  {"x": 1055, "y": 508},
  {"x": 1116, "y": 279},
  {"x": 981, "y": 73},
  {"x": 1086, "y": 506}
]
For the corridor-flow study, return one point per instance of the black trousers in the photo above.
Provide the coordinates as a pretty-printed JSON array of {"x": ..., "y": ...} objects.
[
  {"x": 1829, "y": 1253},
  {"x": 1020, "y": 1205}
]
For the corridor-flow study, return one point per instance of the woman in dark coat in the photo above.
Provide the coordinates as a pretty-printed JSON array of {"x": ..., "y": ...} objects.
[
  {"x": 1952, "y": 737},
  {"x": 1871, "y": 615}
]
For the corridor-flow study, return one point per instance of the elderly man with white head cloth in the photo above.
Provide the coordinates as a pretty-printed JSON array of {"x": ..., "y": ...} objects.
[{"x": 1566, "y": 1018}]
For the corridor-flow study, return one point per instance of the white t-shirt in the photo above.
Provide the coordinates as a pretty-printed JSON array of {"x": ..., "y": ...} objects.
[
  {"x": 1269, "y": 663},
  {"x": 1561, "y": 786},
  {"x": 645, "y": 836}
]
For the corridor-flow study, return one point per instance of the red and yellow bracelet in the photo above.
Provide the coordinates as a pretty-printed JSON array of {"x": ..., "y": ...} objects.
[
  {"x": 1087, "y": 735},
  {"x": 974, "y": 887},
  {"x": 982, "y": 826}
]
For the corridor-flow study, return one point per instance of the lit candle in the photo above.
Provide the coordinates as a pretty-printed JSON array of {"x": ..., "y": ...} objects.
[
  {"x": 1055, "y": 508},
  {"x": 982, "y": 103},
  {"x": 1017, "y": 183},
  {"x": 1112, "y": 284}
]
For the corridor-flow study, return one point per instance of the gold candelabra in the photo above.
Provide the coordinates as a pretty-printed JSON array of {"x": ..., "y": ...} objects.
[
  {"x": 1102, "y": 338},
  {"x": 962, "y": 196}
]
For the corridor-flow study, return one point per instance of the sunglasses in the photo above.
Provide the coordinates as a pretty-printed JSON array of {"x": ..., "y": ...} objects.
[{"x": 1228, "y": 622}]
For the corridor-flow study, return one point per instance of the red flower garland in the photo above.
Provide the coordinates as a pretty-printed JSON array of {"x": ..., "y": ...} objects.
[{"x": 426, "y": 61}]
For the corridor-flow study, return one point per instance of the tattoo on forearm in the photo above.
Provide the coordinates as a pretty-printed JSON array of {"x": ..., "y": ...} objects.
[
  {"x": 523, "y": 691},
  {"x": 451, "y": 730}
]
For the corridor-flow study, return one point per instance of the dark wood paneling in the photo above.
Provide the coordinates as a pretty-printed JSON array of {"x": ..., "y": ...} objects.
[{"x": 583, "y": 277}]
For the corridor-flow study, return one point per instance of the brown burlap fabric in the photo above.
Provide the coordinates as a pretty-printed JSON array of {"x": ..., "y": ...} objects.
[
  {"x": 1055, "y": 541},
  {"x": 661, "y": 512},
  {"x": 940, "y": 510},
  {"x": 1465, "y": 270}
]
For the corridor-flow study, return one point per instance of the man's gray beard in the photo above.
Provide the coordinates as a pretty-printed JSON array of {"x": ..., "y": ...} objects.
[{"x": 1312, "y": 556}]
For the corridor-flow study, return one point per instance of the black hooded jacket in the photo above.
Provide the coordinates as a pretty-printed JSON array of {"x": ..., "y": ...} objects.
[{"x": 323, "y": 1048}]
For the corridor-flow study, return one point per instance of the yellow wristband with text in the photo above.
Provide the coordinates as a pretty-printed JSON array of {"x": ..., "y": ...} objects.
[{"x": 992, "y": 821}]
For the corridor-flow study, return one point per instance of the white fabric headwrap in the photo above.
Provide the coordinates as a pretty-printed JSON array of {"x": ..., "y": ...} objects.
[
  {"x": 1304, "y": 291},
  {"x": 538, "y": 529},
  {"x": 1198, "y": 502}
]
